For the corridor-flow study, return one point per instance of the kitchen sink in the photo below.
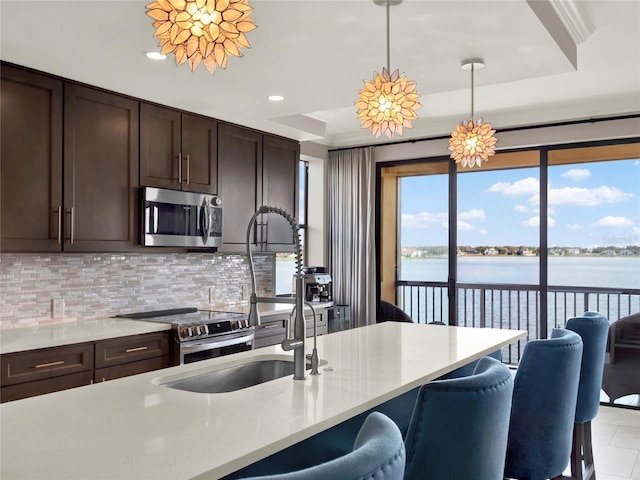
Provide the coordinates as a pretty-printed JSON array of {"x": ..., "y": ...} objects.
[{"x": 235, "y": 378}]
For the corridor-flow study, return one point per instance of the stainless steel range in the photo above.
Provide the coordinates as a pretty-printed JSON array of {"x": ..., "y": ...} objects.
[{"x": 201, "y": 334}]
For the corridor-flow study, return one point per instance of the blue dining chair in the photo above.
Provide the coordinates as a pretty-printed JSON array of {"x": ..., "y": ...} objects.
[
  {"x": 543, "y": 410},
  {"x": 459, "y": 426},
  {"x": 378, "y": 454},
  {"x": 593, "y": 328}
]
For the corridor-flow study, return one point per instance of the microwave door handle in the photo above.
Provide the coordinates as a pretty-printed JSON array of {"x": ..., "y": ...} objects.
[
  {"x": 206, "y": 221},
  {"x": 209, "y": 220}
]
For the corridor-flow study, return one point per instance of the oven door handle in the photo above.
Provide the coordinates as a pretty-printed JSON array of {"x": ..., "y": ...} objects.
[{"x": 210, "y": 345}]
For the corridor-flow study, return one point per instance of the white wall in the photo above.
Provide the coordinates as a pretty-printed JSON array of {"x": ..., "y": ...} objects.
[{"x": 317, "y": 241}]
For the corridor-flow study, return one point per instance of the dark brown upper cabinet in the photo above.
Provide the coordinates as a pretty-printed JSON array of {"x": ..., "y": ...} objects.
[
  {"x": 100, "y": 170},
  {"x": 178, "y": 150},
  {"x": 280, "y": 165},
  {"x": 97, "y": 166},
  {"x": 239, "y": 165},
  {"x": 31, "y": 162},
  {"x": 255, "y": 170}
]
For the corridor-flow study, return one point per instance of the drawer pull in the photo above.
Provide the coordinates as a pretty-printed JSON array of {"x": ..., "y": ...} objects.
[
  {"x": 51, "y": 364},
  {"x": 136, "y": 349}
]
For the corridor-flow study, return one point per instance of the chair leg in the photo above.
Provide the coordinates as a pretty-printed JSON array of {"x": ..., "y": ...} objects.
[
  {"x": 587, "y": 449},
  {"x": 582, "y": 449},
  {"x": 576, "y": 451}
]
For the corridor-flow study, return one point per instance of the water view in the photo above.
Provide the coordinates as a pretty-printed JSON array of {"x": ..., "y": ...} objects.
[
  {"x": 580, "y": 271},
  {"x": 583, "y": 271}
]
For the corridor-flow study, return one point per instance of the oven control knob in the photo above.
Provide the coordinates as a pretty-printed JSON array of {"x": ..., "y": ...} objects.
[
  {"x": 200, "y": 330},
  {"x": 184, "y": 332},
  {"x": 234, "y": 325}
]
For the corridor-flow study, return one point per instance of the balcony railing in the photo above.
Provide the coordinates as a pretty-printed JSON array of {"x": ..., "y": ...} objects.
[{"x": 512, "y": 306}]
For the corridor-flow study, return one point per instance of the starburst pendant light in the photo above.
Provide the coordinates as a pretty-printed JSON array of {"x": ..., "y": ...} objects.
[
  {"x": 388, "y": 103},
  {"x": 472, "y": 142},
  {"x": 206, "y": 31}
]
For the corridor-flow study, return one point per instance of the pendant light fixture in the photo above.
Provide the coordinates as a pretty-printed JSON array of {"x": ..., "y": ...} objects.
[
  {"x": 387, "y": 104},
  {"x": 206, "y": 31},
  {"x": 472, "y": 142}
]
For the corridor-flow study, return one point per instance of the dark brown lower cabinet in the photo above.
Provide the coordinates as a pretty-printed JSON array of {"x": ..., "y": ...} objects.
[
  {"x": 273, "y": 331},
  {"x": 124, "y": 356},
  {"x": 46, "y": 370},
  {"x": 36, "y": 372},
  {"x": 133, "y": 368},
  {"x": 40, "y": 387}
]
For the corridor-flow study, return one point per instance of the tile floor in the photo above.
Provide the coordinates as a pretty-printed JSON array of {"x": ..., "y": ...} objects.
[{"x": 616, "y": 443}]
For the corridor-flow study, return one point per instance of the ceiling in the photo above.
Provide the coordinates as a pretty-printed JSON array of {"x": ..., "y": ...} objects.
[{"x": 316, "y": 53}]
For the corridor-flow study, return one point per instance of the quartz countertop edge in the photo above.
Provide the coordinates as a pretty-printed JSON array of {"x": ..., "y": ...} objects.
[{"x": 135, "y": 428}]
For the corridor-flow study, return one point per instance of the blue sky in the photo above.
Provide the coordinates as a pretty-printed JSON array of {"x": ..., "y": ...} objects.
[{"x": 590, "y": 204}]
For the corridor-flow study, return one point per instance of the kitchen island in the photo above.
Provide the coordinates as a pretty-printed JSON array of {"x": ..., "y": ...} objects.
[{"x": 137, "y": 428}]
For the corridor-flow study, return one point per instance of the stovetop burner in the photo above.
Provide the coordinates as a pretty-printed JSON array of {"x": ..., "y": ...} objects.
[{"x": 192, "y": 324}]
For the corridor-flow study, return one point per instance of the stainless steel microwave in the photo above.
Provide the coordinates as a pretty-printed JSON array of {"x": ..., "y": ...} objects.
[{"x": 171, "y": 218}]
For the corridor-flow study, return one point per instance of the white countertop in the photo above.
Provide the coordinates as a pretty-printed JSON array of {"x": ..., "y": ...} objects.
[
  {"x": 132, "y": 428},
  {"x": 80, "y": 331}
]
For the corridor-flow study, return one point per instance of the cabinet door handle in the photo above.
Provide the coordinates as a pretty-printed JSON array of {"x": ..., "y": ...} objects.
[
  {"x": 188, "y": 169},
  {"x": 265, "y": 327},
  {"x": 136, "y": 349},
  {"x": 180, "y": 168},
  {"x": 50, "y": 364},
  {"x": 59, "y": 225},
  {"x": 72, "y": 216}
]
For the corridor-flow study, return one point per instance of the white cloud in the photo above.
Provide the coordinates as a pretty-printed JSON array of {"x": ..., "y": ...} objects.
[
  {"x": 574, "y": 227},
  {"x": 587, "y": 197},
  {"x": 521, "y": 209},
  {"x": 465, "y": 226},
  {"x": 474, "y": 214},
  {"x": 577, "y": 174},
  {"x": 535, "y": 222},
  {"x": 482, "y": 231},
  {"x": 526, "y": 186},
  {"x": 611, "y": 221},
  {"x": 424, "y": 220}
]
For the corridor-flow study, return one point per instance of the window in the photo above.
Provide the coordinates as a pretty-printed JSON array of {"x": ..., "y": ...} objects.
[{"x": 285, "y": 265}]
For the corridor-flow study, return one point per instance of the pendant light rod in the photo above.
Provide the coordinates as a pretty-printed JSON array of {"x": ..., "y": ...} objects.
[
  {"x": 388, "y": 4},
  {"x": 388, "y": 40},
  {"x": 472, "y": 64}
]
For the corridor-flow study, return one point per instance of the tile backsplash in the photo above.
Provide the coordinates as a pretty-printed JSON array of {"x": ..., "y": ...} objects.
[{"x": 102, "y": 285}]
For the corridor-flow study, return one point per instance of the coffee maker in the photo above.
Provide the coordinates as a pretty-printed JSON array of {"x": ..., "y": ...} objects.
[{"x": 317, "y": 284}]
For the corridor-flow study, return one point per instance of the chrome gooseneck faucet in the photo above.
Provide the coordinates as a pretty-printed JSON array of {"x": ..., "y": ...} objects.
[{"x": 299, "y": 326}]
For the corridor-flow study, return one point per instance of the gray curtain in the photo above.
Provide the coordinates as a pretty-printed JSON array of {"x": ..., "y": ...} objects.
[{"x": 351, "y": 184}]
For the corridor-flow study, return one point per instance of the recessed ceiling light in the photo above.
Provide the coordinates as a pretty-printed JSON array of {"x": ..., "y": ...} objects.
[
  {"x": 156, "y": 55},
  {"x": 276, "y": 98}
]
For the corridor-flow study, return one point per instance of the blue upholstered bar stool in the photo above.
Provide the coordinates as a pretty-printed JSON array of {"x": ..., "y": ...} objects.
[
  {"x": 378, "y": 454},
  {"x": 543, "y": 410},
  {"x": 459, "y": 427},
  {"x": 593, "y": 328}
]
